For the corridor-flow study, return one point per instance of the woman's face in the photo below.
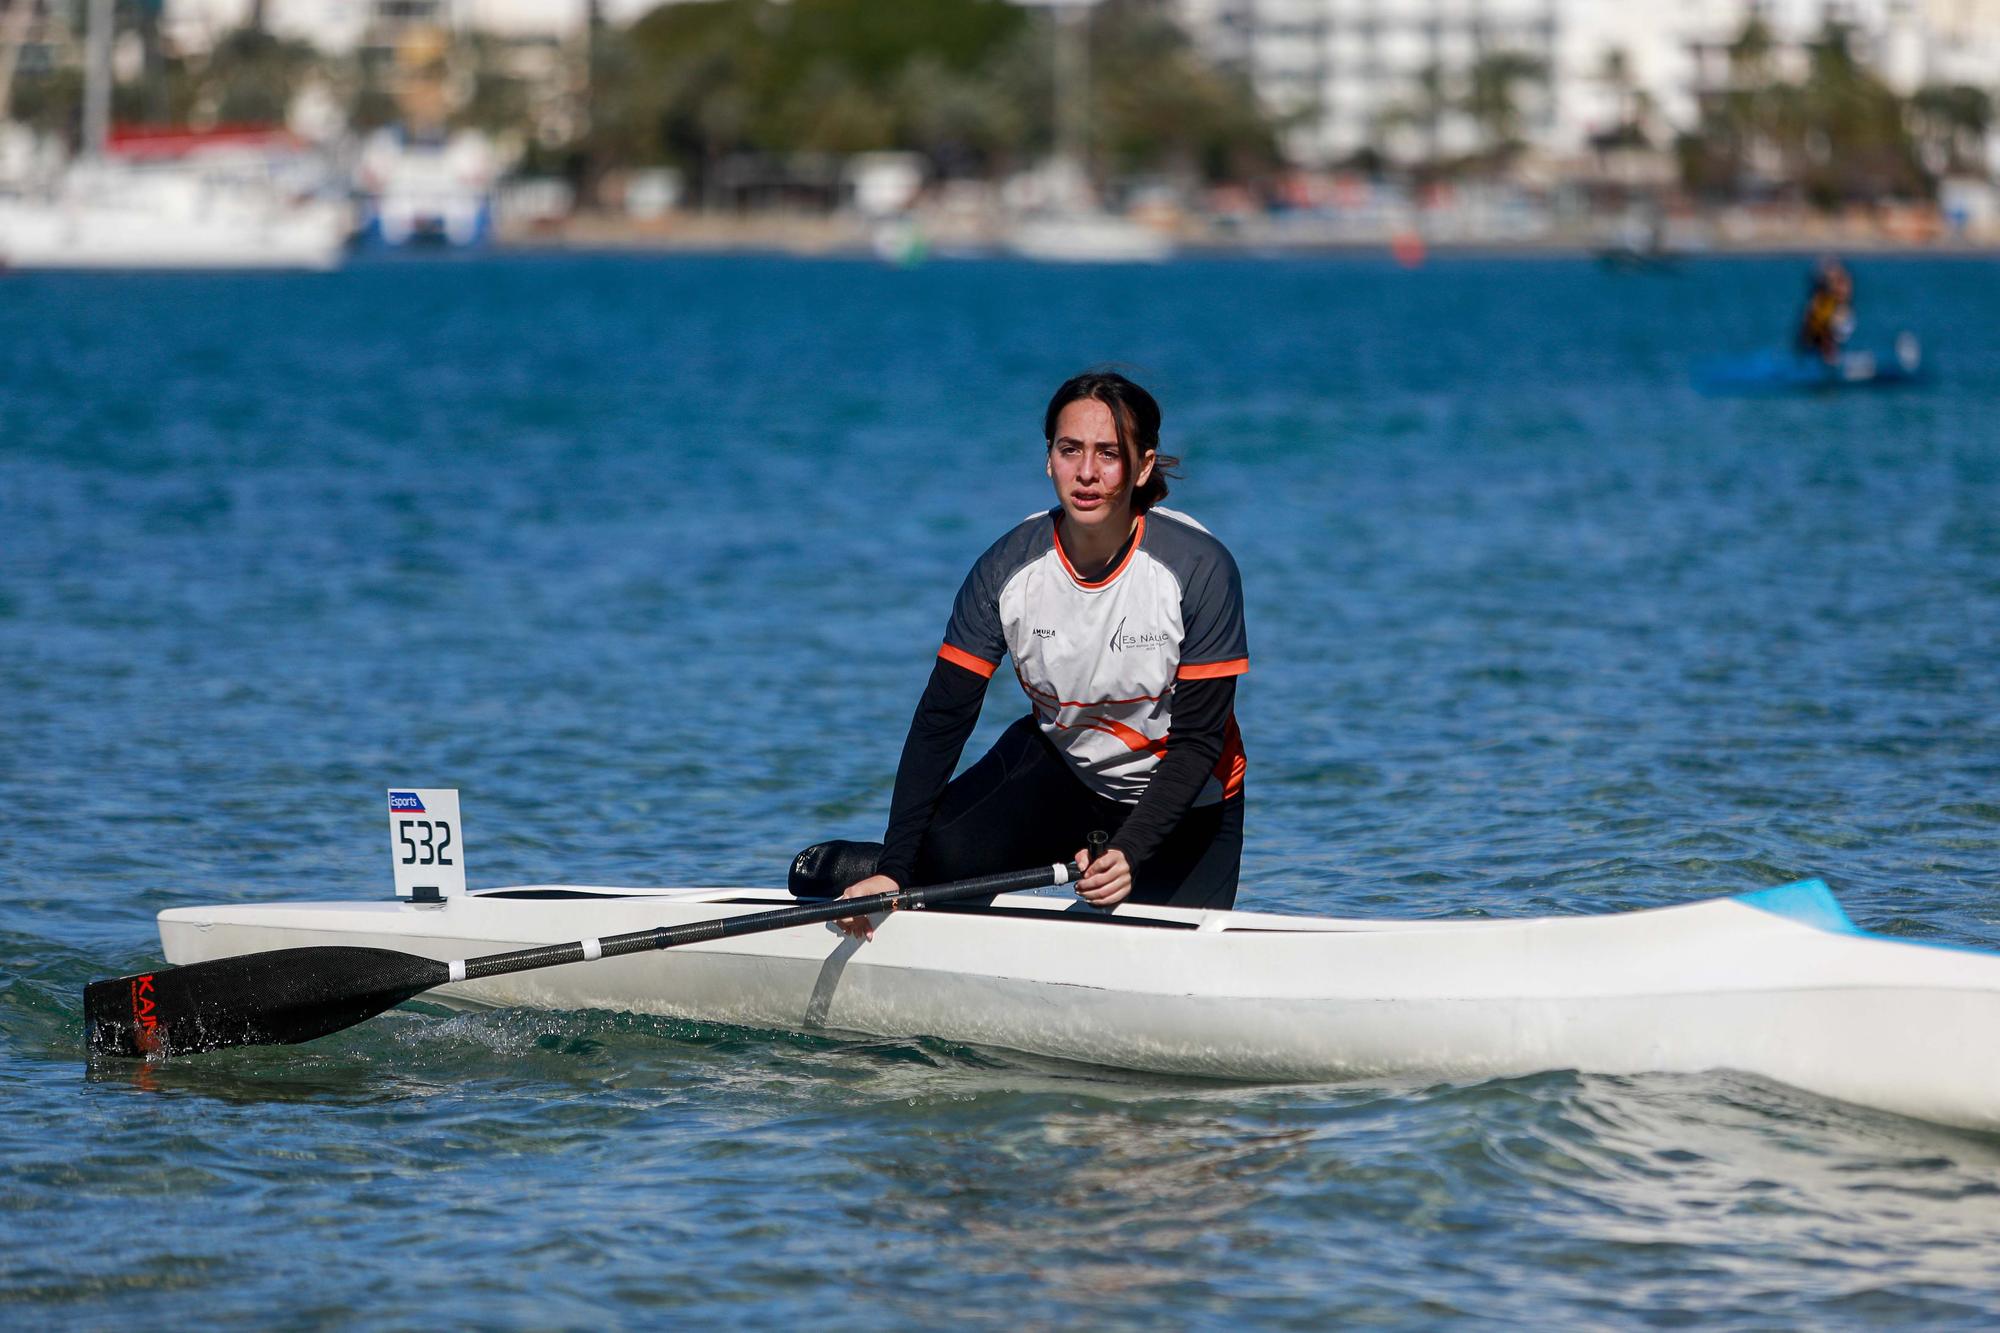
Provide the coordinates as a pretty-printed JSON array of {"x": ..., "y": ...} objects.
[{"x": 1088, "y": 466}]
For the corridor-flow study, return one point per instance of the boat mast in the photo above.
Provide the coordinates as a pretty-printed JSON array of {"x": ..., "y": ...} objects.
[
  {"x": 13, "y": 36},
  {"x": 97, "y": 80},
  {"x": 1072, "y": 89}
]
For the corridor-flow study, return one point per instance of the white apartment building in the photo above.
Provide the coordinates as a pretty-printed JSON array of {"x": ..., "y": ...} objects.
[
  {"x": 1355, "y": 75},
  {"x": 1961, "y": 41},
  {"x": 342, "y": 25},
  {"x": 1350, "y": 76}
]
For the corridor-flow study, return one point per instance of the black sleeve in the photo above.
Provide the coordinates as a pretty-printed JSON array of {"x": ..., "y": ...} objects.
[
  {"x": 1194, "y": 744},
  {"x": 945, "y": 716}
]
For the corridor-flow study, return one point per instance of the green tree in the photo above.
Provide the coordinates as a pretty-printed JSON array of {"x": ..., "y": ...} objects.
[
  {"x": 1839, "y": 136},
  {"x": 1632, "y": 104},
  {"x": 1423, "y": 113},
  {"x": 250, "y": 76},
  {"x": 970, "y": 124},
  {"x": 1493, "y": 99},
  {"x": 497, "y": 98},
  {"x": 1950, "y": 123},
  {"x": 1851, "y": 145},
  {"x": 683, "y": 84},
  {"x": 1739, "y": 122},
  {"x": 1158, "y": 106},
  {"x": 965, "y": 82}
]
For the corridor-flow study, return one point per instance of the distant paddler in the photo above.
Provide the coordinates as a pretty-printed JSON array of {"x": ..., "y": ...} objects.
[
  {"x": 1125, "y": 624},
  {"x": 1828, "y": 319}
]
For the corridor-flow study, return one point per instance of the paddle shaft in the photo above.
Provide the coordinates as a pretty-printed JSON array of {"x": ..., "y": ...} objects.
[{"x": 728, "y": 927}]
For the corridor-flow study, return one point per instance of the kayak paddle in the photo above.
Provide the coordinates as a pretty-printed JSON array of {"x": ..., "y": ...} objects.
[{"x": 294, "y": 995}]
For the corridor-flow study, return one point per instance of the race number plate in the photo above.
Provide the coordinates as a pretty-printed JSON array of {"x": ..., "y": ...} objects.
[{"x": 424, "y": 842}]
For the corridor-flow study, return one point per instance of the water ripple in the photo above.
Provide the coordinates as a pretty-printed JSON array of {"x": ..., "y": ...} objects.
[{"x": 647, "y": 557}]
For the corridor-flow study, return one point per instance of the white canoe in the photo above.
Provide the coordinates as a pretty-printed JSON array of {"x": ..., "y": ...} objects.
[{"x": 1778, "y": 983}]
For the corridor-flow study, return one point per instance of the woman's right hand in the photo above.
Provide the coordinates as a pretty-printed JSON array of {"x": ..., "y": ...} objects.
[{"x": 861, "y": 927}]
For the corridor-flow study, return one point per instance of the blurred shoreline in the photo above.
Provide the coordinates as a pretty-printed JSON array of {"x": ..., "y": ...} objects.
[
  {"x": 1113, "y": 131},
  {"x": 850, "y": 236}
]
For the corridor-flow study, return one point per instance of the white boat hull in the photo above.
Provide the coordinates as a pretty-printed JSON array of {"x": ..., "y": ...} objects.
[
  {"x": 52, "y": 236},
  {"x": 1088, "y": 238},
  {"x": 216, "y": 213},
  {"x": 1777, "y": 984}
]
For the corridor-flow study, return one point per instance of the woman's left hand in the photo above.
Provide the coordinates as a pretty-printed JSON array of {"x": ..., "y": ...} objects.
[{"x": 1107, "y": 881}]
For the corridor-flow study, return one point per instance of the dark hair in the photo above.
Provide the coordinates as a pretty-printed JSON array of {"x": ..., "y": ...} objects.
[{"x": 1137, "y": 418}]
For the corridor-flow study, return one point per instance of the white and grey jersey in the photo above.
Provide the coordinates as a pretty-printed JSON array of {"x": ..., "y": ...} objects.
[{"x": 1099, "y": 660}]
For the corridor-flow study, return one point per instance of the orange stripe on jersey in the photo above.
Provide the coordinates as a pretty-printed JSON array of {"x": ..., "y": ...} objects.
[
  {"x": 1138, "y": 535},
  {"x": 1211, "y": 670},
  {"x": 1229, "y": 769},
  {"x": 1133, "y": 738},
  {"x": 978, "y": 666},
  {"x": 1130, "y": 737}
]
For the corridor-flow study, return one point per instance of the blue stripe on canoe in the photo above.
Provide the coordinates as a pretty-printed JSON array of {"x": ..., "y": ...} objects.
[
  {"x": 1811, "y": 903},
  {"x": 1808, "y": 901}
]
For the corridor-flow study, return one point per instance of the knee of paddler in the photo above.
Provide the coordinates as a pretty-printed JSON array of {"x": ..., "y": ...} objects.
[{"x": 825, "y": 869}]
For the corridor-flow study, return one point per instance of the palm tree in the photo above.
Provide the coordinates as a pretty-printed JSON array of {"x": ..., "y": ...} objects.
[
  {"x": 1951, "y": 121},
  {"x": 1852, "y": 143},
  {"x": 1615, "y": 72},
  {"x": 1631, "y": 103},
  {"x": 1491, "y": 101},
  {"x": 1744, "y": 118},
  {"x": 1749, "y": 105},
  {"x": 1423, "y": 113}
]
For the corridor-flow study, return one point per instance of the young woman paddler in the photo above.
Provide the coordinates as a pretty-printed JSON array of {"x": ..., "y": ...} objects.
[{"x": 1125, "y": 624}]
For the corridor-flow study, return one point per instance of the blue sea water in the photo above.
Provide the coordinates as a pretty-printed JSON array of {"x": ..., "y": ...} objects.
[{"x": 649, "y": 557}]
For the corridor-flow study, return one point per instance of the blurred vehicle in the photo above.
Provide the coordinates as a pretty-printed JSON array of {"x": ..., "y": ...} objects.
[
  {"x": 1088, "y": 236},
  {"x": 900, "y": 241},
  {"x": 418, "y": 189},
  {"x": 229, "y": 197},
  {"x": 1058, "y": 216},
  {"x": 652, "y": 193},
  {"x": 220, "y": 199},
  {"x": 1819, "y": 357},
  {"x": 884, "y": 185},
  {"x": 1778, "y": 372},
  {"x": 1640, "y": 245}
]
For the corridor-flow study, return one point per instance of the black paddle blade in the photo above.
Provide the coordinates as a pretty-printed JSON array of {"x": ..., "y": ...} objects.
[{"x": 258, "y": 999}]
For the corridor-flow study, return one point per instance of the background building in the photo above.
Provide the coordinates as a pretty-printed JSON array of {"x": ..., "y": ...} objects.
[
  {"x": 1426, "y": 79},
  {"x": 1372, "y": 82},
  {"x": 1395, "y": 79},
  {"x": 338, "y": 26},
  {"x": 1324, "y": 120}
]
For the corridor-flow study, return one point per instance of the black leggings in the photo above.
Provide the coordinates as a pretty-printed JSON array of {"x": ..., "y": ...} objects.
[{"x": 1020, "y": 804}]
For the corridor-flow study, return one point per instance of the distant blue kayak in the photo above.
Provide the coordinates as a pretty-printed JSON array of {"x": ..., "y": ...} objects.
[{"x": 1790, "y": 372}]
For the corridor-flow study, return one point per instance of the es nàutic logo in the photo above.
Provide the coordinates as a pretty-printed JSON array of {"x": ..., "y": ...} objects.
[
  {"x": 1145, "y": 639},
  {"x": 405, "y": 803}
]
